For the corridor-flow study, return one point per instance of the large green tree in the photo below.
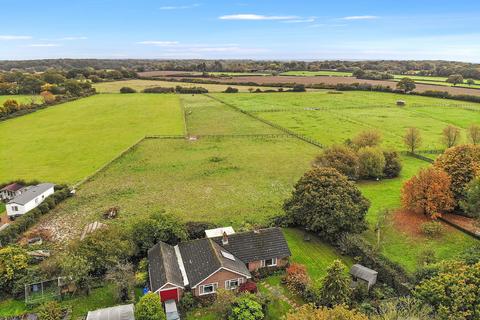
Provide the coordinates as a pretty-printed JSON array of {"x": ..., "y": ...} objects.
[
  {"x": 371, "y": 163},
  {"x": 471, "y": 203},
  {"x": 149, "y": 308},
  {"x": 454, "y": 291},
  {"x": 325, "y": 202},
  {"x": 462, "y": 164},
  {"x": 406, "y": 84}
]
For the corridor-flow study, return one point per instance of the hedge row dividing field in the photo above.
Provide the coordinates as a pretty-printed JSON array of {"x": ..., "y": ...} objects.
[
  {"x": 21, "y": 99},
  {"x": 139, "y": 85},
  {"x": 67, "y": 142}
]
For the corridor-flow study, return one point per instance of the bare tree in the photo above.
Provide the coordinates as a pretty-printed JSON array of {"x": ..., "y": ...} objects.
[
  {"x": 412, "y": 139},
  {"x": 451, "y": 136},
  {"x": 474, "y": 134}
]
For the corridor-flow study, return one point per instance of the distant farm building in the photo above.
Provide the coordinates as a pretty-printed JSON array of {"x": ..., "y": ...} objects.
[
  {"x": 401, "y": 103},
  {"x": 29, "y": 199}
]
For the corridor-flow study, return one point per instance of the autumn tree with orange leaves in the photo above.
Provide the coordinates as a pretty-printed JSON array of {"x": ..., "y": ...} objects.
[{"x": 428, "y": 192}]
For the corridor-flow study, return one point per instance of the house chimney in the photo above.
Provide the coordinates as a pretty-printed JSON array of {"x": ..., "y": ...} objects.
[{"x": 224, "y": 238}]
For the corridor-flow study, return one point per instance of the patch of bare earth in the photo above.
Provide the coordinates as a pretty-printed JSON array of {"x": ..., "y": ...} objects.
[
  {"x": 268, "y": 80},
  {"x": 466, "y": 223},
  {"x": 409, "y": 223}
]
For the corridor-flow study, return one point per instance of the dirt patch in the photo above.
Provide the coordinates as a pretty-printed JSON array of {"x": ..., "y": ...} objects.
[
  {"x": 466, "y": 223},
  {"x": 264, "y": 80},
  {"x": 409, "y": 222}
]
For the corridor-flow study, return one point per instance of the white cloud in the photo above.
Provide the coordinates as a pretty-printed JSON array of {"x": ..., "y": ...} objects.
[
  {"x": 159, "y": 43},
  {"x": 256, "y": 17},
  {"x": 360, "y": 18},
  {"x": 43, "y": 45},
  {"x": 190, "y": 6},
  {"x": 11, "y": 37}
]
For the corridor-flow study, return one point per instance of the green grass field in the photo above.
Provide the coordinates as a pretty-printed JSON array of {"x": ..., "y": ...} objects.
[
  {"x": 229, "y": 181},
  {"x": 342, "y": 116},
  {"x": 21, "y": 98},
  {"x": 139, "y": 85},
  {"x": 67, "y": 142}
]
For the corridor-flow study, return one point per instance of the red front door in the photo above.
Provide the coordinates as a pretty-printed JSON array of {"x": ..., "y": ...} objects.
[{"x": 169, "y": 294}]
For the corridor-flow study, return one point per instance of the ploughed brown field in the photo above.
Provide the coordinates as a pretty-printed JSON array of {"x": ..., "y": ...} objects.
[{"x": 267, "y": 80}]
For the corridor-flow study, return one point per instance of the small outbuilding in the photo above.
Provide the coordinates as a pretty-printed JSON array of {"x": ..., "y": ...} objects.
[
  {"x": 11, "y": 191},
  {"x": 401, "y": 103},
  {"x": 362, "y": 274},
  {"x": 218, "y": 232},
  {"x": 122, "y": 312}
]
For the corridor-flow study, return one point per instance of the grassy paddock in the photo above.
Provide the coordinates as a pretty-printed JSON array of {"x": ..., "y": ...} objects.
[
  {"x": 341, "y": 116},
  {"x": 230, "y": 181},
  {"x": 139, "y": 85},
  {"x": 67, "y": 142}
]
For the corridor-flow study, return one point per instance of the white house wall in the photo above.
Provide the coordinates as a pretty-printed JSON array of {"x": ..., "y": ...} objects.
[{"x": 22, "y": 209}]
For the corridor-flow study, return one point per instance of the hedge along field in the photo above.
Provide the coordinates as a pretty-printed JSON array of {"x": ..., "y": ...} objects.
[
  {"x": 317, "y": 73},
  {"x": 342, "y": 116},
  {"x": 223, "y": 180},
  {"x": 21, "y": 98},
  {"x": 67, "y": 142},
  {"x": 139, "y": 85}
]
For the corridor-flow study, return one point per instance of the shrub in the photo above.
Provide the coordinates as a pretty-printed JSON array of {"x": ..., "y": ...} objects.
[
  {"x": 393, "y": 166},
  {"x": 159, "y": 90},
  {"x": 471, "y": 204},
  {"x": 296, "y": 278},
  {"x": 432, "y": 229},
  {"x": 342, "y": 158},
  {"x": 231, "y": 90},
  {"x": 335, "y": 288},
  {"x": 127, "y": 90},
  {"x": 196, "y": 230},
  {"x": 371, "y": 163},
  {"x": 309, "y": 312},
  {"x": 369, "y": 138},
  {"x": 49, "y": 311},
  {"x": 325, "y": 202},
  {"x": 187, "y": 302},
  {"x": 245, "y": 307},
  {"x": 298, "y": 88},
  {"x": 149, "y": 308}
]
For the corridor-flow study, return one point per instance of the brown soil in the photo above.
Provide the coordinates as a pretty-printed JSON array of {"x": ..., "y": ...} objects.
[
  {"x": 464, "y": 222},
  {"x": 409, "y": 222},
  {"x": 166, "y": 73},
  {"x": 265, "y": 80}
]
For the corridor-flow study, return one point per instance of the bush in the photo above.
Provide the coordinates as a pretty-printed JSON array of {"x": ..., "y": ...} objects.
[
  {"x": 371, "y": 163},
  {"x": 231, "y": 90},
  {"x": 342, "y": 158},
  {"x": 49, "y": 311},
  {"x": 127, "y": 90},
  {"x": 298, "y": 88},
  {"x": 296, "y": 278},
  {"x": 432, "y": 229},
  {"x": 149, "y": 308},
  {"x": 245, "y": 307},
  {"x": 190, "y": 90},
  {"x": 159, "y": 90},
  {"x": 196, "y": 230},
  {"x": 187, "y": 302},
  {"x": 471, "y": 204},
  {"x": 393, "y": 166}
]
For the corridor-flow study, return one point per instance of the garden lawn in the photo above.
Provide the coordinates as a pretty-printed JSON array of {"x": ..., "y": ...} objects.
[
  {"x": 398, "y": 245},
  {"x": 316, "y": 255},
  {"x": 229, "y": 181},
  {"x": 67, "y": 142},
  {"x": 21, "y": 98},
  {"x": 139, "y": 85}
]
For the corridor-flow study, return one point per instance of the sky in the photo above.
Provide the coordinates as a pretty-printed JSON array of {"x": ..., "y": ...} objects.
[{"x": 243, "y": 29}]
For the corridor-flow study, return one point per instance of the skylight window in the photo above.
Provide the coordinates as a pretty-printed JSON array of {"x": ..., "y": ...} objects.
[{"x": 228, "y": 255}]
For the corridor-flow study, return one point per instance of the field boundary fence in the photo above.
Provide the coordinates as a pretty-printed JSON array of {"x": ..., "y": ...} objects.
[
  {"x": 271, "y": 124},
  {"x": 417, "y": 156}
]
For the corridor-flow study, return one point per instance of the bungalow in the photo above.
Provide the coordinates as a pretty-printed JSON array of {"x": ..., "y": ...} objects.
[
  {"x": 11, "y": 191},
  {"x": 205, "y": 265},
  {"x": 29, "y": 199}
]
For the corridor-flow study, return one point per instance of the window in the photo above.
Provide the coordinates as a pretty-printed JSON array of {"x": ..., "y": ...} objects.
[
  {"x": 233, "y": 284},
  {"x": 269, "y": 262},
  {"x": 208, "y": 288},
  {"x": 14, "y": 208}
]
